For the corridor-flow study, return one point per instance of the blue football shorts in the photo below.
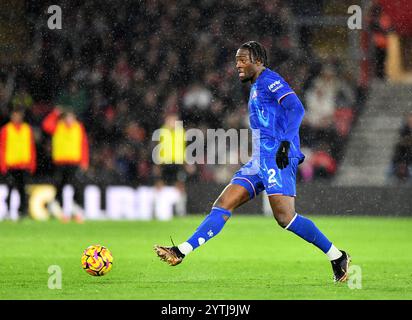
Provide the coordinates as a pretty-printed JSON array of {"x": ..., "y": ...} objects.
[{"x": 263, "y": 174}]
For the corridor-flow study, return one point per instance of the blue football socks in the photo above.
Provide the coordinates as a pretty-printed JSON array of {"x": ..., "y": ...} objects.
[
  {"x": 209, "y": 228},
  {"x": 306, "y": 229},
  {"x": 301, "y": 226}
]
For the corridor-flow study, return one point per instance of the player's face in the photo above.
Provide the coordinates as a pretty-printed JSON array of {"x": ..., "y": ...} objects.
[{"x": 244, "y": 66}]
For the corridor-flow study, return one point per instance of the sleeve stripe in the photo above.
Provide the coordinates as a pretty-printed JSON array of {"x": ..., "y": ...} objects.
[{"x": 286, "y": 94}]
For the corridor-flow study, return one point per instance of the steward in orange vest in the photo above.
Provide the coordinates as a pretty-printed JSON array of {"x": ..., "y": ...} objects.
[
  {"x": 17, "y": 156},
  {"x": 380, "y": 26},
  {"x": 70, "y": 151},
  {"x": 69, "y": 139}
]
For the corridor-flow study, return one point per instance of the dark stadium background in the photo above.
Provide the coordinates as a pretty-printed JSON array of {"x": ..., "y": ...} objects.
[{"x": 123, "y": 66}]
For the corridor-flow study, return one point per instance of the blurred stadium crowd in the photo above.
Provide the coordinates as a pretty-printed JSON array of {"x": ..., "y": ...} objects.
[{"x": 123, "y": 68}]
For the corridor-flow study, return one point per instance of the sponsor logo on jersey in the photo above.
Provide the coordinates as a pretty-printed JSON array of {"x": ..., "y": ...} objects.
[{"x": 275, "y": 86}]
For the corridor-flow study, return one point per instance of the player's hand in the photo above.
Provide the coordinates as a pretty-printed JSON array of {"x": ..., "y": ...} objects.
[{"x": 282, "y": 155}]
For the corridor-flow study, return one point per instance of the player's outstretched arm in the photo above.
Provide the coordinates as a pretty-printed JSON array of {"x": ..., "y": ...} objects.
[{"x": 295, "y": 113}]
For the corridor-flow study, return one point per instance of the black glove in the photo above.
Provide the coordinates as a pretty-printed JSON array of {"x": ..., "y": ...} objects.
[{"x": 282, "y": 155}]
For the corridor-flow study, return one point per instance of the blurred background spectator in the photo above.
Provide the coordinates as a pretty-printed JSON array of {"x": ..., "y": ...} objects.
[
  {"x": 17, "y": 159},
  {"x": 402, "y": 159},
  {"x": 380, "y": 25},
  {"x": 70, "y": 155}
]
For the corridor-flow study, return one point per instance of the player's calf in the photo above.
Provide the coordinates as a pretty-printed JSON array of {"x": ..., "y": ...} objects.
[
  {"x": 283, "y": 219},
  {"x": 283, "y": 209}
]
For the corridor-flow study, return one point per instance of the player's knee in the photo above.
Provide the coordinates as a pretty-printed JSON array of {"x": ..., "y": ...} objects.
[
  {"x": 281, "y": 222},
  {"x": 283, "y": 218},
  {"x": 224, "y": 203}
]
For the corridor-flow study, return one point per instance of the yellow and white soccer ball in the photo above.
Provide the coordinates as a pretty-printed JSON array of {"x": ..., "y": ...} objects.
[{"x": 97, "y": 260}]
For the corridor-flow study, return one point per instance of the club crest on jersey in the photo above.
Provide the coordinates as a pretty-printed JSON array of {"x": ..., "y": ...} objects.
[{"x": 275, "y": 86}]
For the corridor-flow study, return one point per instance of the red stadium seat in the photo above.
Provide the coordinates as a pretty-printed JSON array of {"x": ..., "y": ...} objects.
[
  {"x": 322, "y": 159},
  {"x": 343, "y": 118}
]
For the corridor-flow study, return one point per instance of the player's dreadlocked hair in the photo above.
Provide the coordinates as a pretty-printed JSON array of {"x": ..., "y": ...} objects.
[{"x": 256, "y": 51}]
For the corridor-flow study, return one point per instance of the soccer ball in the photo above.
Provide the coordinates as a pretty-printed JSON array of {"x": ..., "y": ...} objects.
[{"x": 97, "y": 260}]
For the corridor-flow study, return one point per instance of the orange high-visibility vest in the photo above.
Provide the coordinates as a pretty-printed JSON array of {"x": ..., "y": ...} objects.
[
  {"x": 172, "y": 146},
  {"x": 68, "y": 144},
  {"x": 17, "y": 150}
]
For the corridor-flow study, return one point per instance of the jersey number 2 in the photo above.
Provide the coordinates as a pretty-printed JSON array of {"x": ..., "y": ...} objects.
[{"x": 272, "y": 174}]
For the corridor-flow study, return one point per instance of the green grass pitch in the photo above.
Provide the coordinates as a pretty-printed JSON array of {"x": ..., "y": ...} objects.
[{"x": 252, "y": 258}]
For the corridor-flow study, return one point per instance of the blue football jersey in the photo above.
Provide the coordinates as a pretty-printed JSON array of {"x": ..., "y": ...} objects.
[{"x": 268, "y": 119}]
